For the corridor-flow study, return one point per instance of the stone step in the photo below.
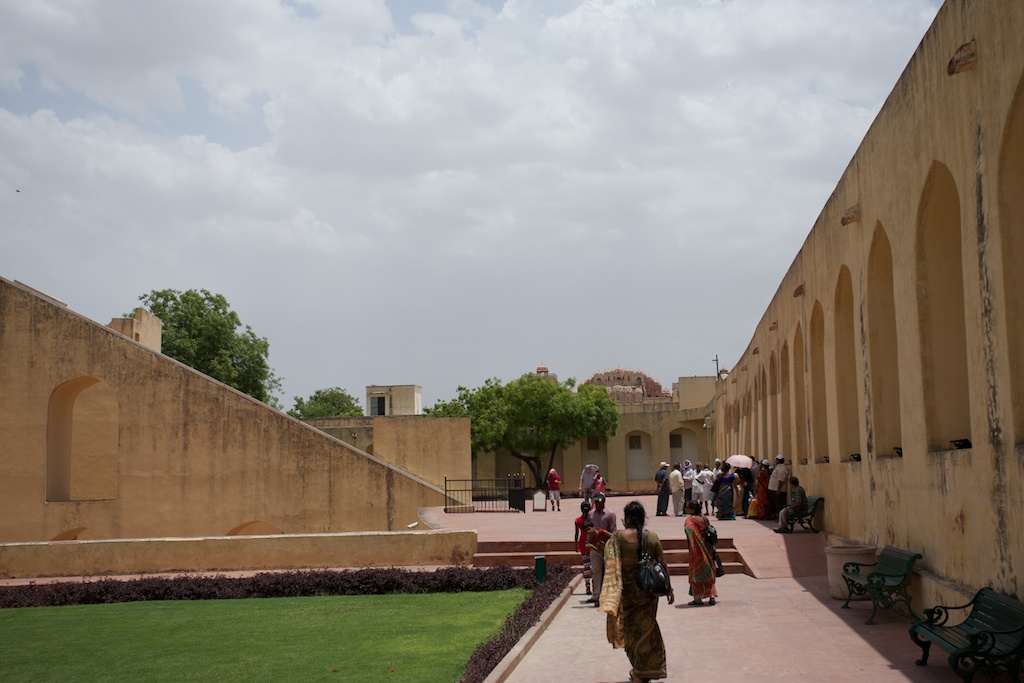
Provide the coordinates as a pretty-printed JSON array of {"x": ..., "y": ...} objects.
[
  {"x": 541, "y": 547},
  {"x": 677, "y": 559}
]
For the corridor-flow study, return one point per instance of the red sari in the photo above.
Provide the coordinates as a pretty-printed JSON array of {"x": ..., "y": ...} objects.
[{"x": 702, "y": 559}]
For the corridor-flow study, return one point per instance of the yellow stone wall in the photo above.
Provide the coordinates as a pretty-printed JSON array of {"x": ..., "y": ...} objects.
[
  {"x": 899, "y": 323},
  {"x": 102, "y": 437},
  {"x": 237, "y": 553},
  {"x": 431, "y": 448}
]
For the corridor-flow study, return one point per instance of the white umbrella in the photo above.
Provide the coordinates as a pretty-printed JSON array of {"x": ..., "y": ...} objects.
[{"x": 739, "y": 461}]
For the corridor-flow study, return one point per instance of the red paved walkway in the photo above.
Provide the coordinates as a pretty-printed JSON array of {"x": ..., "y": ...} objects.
[{"x": 778, "y": 625}]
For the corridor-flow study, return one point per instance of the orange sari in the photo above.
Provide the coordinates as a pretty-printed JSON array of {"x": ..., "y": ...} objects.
[{"x": 761, "y": 506}]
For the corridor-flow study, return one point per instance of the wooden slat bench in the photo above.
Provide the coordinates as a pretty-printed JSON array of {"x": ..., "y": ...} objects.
[
  {"x": 806, "y": 518},
  {"x": 885, "y": 581},
  {"x": 989, "y": 639}
]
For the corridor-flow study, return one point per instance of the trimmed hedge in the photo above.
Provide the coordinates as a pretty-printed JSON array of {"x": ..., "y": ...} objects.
[{"x": 320, "y": 583}]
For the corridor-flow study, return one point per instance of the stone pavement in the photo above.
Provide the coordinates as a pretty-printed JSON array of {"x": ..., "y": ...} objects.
[{"x": 778, "y": 625}]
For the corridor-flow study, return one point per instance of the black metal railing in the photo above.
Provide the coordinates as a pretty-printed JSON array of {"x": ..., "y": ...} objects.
[{"x": 485, "y": 495}]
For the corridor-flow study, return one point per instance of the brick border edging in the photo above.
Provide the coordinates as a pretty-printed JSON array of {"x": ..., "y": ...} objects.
[{"x": 509, "y": 662}]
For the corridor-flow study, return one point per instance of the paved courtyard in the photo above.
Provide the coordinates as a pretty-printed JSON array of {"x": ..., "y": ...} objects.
[{"x": 778, "y": 625}]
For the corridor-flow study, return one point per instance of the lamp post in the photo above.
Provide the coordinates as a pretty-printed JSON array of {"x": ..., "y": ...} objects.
[{"x": 707, "y": 426}]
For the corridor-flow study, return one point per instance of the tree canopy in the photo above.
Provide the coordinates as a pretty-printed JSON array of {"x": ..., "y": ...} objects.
[
  {"x": 201, "y": 331},
  {"x": 333, "y": 402},
  {"x": 531, "y": 417}
]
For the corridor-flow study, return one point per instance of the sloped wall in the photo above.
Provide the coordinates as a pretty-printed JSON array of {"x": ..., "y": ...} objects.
[{"x": 188, "y": 455}]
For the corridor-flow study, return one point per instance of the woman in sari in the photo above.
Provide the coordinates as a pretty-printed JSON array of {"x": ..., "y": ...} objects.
[
  {"x": 761, "y": 506},
  {"x": 702, "y": 556},
  {"x": 633, "y": 613},
  {"x": 727, "y": 495}
]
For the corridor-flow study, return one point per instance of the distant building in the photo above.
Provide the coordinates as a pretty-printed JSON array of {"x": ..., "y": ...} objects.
[
  {"x": 654, "y": 425},
  {"x": 391, "y": 400},
  {"x": 628, "y": 386}
]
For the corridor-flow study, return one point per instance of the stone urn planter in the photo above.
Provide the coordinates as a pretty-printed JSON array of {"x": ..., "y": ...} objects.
[{"x": 838, "y": 555}]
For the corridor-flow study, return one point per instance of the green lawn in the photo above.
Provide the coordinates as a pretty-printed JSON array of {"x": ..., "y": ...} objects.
[{"x": 399, "y": 637}]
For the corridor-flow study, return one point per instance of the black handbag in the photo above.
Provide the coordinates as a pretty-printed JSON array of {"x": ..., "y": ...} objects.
[
  {"x": 719, "y": 569},
  {"x": 710, "y": 534},
  {"x": 651, "y": 575}
]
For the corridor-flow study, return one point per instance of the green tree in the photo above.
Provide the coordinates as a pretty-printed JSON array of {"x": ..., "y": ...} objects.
[
  {"x": 532, "y": 416},
  {"x": 201, "y": 331},
  {"x": 333, "y": 402}
]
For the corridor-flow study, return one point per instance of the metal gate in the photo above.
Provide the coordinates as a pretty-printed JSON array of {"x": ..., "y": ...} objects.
[{"x": 485, "y": 495}]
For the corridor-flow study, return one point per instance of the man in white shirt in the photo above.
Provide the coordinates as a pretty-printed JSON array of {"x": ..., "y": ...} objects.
[
  {"x": 688, "y": 476},
  {"x": 778, "y": 482},
  {"x": 675, "y": 486}
]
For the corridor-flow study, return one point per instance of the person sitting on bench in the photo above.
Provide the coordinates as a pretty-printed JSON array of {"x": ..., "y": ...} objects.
[{"x": 797, "y": 505}]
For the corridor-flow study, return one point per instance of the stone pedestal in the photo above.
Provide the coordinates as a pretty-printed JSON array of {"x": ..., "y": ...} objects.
[{"x": 838, "y": 555}]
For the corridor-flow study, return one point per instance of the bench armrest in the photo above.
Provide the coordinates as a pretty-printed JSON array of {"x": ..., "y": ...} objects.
[
  {"x": 983, "y": 641},
  {"x": 939, "y": 615},
  {"x": 879, "y": 577},
  {"x": 855, "y": 567}
]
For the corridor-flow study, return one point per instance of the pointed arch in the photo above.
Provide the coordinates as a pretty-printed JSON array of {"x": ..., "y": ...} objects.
[
  {"x": 639, "y": 456},
  {"x": 843, "y": 329},
  {"x": 1011, "y": 211},
  {"x": 762, "y": 442},
  {"x": 942, "y": 325},
  {"x": 786, "y": 415},
  {"x": 885, "y": 430},
  {"x": 819, "y": 413},
  {"x": 800, "y": 435},
  {"x": 773, "y": 405},
  {"x": 81, "y": 441},
  {"x": 255, "y": 527}
]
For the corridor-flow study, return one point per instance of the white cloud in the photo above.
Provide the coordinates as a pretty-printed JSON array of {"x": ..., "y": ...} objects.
[{"x": 450, "y": 190}]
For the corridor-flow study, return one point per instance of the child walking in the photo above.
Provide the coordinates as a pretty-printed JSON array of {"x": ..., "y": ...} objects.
[{"x": 582, "y": 522}]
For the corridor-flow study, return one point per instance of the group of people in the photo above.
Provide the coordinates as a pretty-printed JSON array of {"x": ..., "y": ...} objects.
[
  {"x": 770, "y": 498},
  {"x": 758, "y": 492},
  {"x": 610, "y": 560},
  {"x": 722, "y": 489},
  {"x": 611, "y": 555},
  {"x": 591, "y": 482}
]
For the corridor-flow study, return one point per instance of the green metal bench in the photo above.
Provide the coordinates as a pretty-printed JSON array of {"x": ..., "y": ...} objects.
[
  {"x": 806, "y": 518},
  {"x": 885, "y": 581},
  {"x": 989, "y": 639}
]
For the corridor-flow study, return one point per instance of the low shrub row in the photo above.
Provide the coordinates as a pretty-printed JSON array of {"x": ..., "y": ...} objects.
[
  {"x": 489, "y": 654},
  {"x": 320, "y": 583}
]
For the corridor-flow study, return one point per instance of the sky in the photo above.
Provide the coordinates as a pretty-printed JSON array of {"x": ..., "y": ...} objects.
[{"x": 438, "y": 192}]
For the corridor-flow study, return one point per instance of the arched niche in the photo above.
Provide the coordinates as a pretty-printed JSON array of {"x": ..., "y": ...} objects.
[
  {"x": 82, "y": 441},
  {"x": 773, "y": 405},
  {"x": 80, "y": 533},
  {"x": 785, "y": 404},
  {"x": 640, "y": 465},
  {"x": 941, "y": 324},
  {"x": 688, "y": 448},
  {"x": 255, "y": 527},
  {"x": 800, "y": 436},
  {"x": 819, "y": 412},
  {"x": 886, "y": 428},
  {"x": 1011, "y": 234},
  {"x": 844, "y": 333}
]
